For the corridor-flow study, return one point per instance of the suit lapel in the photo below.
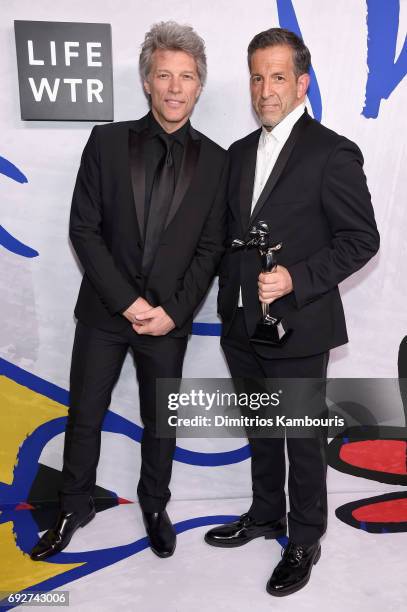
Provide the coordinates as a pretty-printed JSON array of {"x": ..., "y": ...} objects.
[
  {"x": 137, "y": 138},
  {"x": 188, "y": 166},
  {"x": 279, "y": 165},
  {"x": 247, "y": 178}
]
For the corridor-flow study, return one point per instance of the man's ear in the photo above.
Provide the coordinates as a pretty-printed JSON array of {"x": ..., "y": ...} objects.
[
  {"x": 303, "y": 82},
  {"x": 147, "y": 87}
]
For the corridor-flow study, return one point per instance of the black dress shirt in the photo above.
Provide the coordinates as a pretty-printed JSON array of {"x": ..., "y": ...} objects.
[{"x": 154, "y": 151}]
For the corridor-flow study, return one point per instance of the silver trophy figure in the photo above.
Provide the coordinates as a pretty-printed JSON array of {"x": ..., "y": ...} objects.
[{"x": 270, "y": 330}]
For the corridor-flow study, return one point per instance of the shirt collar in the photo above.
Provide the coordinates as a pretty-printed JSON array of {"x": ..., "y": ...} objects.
[
  {"x": 154, "y": 128},
  {"x": 282, "y": 130}
]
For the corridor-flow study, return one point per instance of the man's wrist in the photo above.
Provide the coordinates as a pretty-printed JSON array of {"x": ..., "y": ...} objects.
[{"x": 123, "y": 309}]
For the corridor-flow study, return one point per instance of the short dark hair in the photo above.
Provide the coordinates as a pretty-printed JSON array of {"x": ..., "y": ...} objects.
[{"x": 281, "y": 36}]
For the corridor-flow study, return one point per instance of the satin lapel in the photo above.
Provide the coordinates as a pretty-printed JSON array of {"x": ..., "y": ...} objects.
[
  {"x": 138, "y": 173},
  {"x": 279, "y": 165},
  {"x": 247, "y": 179},
  {"x": 189, "y": 162}
]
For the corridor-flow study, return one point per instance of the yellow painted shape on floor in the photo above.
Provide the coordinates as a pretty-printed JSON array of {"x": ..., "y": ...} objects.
[
  {"x": 18, "y": 572},
  {"x": 21, "y": 412}
]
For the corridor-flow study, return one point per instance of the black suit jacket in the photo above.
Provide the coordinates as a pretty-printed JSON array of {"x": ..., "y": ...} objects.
[
  {"x": 319, "y": 206},
  {"x": 107, "y": 224}
]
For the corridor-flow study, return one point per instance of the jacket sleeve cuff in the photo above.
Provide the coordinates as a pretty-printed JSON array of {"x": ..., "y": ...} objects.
[
  {"x": 173, "y": 310},
  {"x": 300, "y": 279},
  {"x": 120, "y": 307}
]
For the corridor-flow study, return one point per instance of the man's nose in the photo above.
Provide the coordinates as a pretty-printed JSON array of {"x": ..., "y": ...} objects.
[
  {"x": 175, "y": 84},
  {"x": 267, "y": 89}
]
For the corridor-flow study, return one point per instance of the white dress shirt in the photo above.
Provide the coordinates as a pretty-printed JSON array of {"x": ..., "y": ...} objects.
[{"x": 269, "y": 148}]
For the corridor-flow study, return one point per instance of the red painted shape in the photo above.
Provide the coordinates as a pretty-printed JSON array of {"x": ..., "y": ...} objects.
[
  {"x": 122, "y": 500},
  {"x": 391, "y": 511},
  {"x": 377, "y": 455},
  {"x": 24, "y": 506}
]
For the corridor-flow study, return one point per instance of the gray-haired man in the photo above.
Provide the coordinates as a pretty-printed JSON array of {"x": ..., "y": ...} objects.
[{"x": 147, "y": 223}]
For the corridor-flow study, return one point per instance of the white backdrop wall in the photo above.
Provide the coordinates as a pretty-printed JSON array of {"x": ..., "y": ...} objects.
[{"x": 38, "y": 294}]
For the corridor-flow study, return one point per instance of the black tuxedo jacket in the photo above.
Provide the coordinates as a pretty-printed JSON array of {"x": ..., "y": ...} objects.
[
  {"x": 319, "y": 206},
  {"x": 107, "y": 227}
]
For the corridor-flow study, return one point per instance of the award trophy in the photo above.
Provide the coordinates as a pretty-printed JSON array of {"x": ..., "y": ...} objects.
[{"x": 270, "y": 330}]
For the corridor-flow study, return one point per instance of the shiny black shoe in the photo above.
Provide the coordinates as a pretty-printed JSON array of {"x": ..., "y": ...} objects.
[
  {"x": 294, "y": 569},
  {"x": 56, "y": 539},
  {"x": 161, "y": 533},
  {"x": 244, "y": 530}
]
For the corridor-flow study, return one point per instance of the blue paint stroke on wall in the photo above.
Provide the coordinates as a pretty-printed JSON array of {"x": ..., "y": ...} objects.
[
  {"x": 288, "y": 20},
  {"x": 384, "y": 73},
  {"x": 206, "y": 329},
  {"x": 10, "y": 170},
  {"x": 7, "y": 240},
  {"x": 15, "y": 246}
]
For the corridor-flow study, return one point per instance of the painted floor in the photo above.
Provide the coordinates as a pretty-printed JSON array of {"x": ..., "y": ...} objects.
[{"x": 357, "y": 571}]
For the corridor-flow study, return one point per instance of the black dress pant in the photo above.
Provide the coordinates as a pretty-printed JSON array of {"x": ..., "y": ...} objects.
[
  {"x": 307, "y": 456},
  {"x": 97, "y": 359}
]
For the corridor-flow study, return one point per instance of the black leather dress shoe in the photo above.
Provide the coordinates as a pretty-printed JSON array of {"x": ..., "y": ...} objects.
[
  {"x": 294, "y": 569},
  {"x": 56, "y": 539},
  {"x": 161, "y": 532},
  {"x": 244, "y": 530}
]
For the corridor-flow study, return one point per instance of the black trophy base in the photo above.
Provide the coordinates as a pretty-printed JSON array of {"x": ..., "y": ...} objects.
[{"x": 274, "y": 334}]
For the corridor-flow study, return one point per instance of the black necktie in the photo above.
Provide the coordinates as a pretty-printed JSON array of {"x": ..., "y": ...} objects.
[{"x": 161, "y": 197}]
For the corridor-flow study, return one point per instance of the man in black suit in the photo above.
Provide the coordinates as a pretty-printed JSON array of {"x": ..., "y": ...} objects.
[
  {"x": 308, "y": 183},
  {"x": 147, "y": 223}
]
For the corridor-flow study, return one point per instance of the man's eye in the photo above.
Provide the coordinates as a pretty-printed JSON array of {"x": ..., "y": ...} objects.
[
  {"x": 188, "y": 77},
  {"x": 279, "y": 77},
  {"x": 256, "y": 79},
  {"x": 162, "y": 75}
]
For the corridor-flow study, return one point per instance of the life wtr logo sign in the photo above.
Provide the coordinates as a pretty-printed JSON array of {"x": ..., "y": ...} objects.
[
  {"x": 64, "y": 70},
  {"x": 94, "y": 86}
]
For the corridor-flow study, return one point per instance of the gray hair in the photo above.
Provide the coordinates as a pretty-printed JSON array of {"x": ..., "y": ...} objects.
[
  {"x": 281, "y": 36},
  {"x": 173, "y": 37}
]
